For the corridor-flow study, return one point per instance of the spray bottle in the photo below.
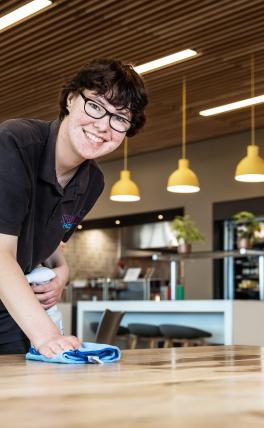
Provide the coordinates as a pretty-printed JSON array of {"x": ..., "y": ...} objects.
[{"x": 42, "y": 275}]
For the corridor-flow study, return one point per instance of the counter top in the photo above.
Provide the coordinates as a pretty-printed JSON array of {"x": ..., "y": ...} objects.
[
  {"x": 160, "y": 306},
  {"x": 202, "y": 387},
  {"x": 231, "y": 322}
]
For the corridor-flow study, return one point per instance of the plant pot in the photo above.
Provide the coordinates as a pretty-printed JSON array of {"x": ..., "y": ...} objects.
[
  {"x": 245, "y": 243},
  {"x": 184, "y": 248}
]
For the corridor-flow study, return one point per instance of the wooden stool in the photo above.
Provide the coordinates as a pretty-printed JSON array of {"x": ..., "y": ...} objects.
[
  {"x": 185, "y": 336},
  {"x": 144, "y": 332}
]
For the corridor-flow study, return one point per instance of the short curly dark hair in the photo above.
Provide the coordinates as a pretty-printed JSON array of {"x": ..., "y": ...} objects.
[{"x": 117, "y": 82}]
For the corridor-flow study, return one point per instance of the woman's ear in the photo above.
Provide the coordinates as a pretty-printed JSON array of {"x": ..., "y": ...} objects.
[{"x": 69, "y": 101}]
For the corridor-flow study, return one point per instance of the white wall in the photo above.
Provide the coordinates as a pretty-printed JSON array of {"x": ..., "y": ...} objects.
[{"x": 214, "y": 162}]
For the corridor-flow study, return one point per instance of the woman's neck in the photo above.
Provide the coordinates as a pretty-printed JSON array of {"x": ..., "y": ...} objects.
[
  {"x": 64, "y": 179},
  {"x": 66, "y": 161}
]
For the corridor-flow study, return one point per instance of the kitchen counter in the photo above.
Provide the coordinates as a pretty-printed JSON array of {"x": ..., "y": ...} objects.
[
  {"x": 202, "y": 387},
  {"x": 231, "y": 322}
]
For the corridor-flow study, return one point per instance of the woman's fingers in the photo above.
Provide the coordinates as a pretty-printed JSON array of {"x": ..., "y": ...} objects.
[{"x": 58, "y": 345}]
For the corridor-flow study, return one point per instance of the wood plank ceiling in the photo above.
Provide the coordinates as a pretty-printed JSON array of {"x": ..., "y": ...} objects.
[{"x": 40, "y": 53}]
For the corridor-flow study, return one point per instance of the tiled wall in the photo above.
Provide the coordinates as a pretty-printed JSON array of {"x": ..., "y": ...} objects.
[
  {"x": 95, "y": 253},
  {"x": 92, "y": 253}
]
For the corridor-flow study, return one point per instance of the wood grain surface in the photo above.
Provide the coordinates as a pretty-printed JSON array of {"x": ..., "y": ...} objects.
[{"x": 209, "y": 387}]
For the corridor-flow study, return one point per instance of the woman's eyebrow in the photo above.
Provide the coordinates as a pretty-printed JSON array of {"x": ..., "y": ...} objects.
[
  {"x": 124, "y": 111},
  {"x": 99, "y": 99}
]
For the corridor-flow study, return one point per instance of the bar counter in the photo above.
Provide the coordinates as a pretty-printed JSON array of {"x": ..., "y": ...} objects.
[
  {"x": 231, "y": 322},
  {"x": 202, "y": 387}
]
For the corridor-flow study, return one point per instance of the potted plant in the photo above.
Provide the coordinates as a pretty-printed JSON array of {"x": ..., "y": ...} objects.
[
  {"x": 246, "y": 226},
  {"x": 186, "y": 232}
]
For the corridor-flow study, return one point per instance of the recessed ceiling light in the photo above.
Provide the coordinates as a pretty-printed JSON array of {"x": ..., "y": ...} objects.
[
  {"x": 117, "y": 222},
  {"x": 23, "y": 12},
  {"x": 233, "y": 106},
  {"x": 79, "y": 227},
  {"x": 165, "y": 61},
  {"x": 160, "y": 217}
]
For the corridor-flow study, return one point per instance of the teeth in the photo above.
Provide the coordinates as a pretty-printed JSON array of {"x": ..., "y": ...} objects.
[{"x": 93, "y": 137}]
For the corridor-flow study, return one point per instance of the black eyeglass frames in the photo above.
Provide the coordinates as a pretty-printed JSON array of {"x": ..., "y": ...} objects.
[{"x": 97, "y": 111}]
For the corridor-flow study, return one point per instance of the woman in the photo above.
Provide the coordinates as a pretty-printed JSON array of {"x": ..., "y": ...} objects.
[{"x": 49, "y": 181}]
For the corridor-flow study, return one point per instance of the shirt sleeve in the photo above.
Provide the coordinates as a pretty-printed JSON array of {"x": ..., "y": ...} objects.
[
  {"x": 96, "y": 186},
  {"x": 14, "y": 184}
]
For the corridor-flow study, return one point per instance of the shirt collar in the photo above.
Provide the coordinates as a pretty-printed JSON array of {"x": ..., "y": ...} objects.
[{"x": 47, "y": 170}]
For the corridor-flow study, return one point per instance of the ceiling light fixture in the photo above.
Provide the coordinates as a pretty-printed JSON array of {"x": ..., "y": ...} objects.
[
  {"x": 23, "y": 12},
  {"x": 125, "y": 190},
  {"x": 183, "y": 180},
  {"x": 165, "y": 61},
  {"x": 233, "y": 106},
  {"x": 251, "y": 168}
]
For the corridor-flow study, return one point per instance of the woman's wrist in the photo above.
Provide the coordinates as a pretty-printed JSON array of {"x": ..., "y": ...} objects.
[
  {"x": 62, "y": 272},
  {"x": 50, "y": 333}
]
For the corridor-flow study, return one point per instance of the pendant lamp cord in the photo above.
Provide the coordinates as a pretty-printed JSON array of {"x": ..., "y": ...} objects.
[
  {"x": 184, "y": 118},
  {"x": 125, "y": 153},
  {"x": 253, "y": 142}
]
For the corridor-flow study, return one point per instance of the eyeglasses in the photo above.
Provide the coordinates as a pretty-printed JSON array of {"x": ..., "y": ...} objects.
[{"x": 97, "y": 111}]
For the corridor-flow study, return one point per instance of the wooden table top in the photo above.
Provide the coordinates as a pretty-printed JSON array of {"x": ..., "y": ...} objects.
[{"x": 202, "y": 387}]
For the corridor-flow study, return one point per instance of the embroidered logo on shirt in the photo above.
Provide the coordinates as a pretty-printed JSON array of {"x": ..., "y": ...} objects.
[{"x": 68, "y": 221}]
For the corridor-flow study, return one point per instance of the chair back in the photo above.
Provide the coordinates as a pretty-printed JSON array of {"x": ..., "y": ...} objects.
[{"x": 108, "y": 327}]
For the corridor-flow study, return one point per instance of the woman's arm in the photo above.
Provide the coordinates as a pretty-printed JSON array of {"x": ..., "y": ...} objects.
[{"x": 21, "y": 303}]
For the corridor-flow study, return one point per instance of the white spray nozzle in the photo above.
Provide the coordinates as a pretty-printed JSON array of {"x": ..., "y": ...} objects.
[{"x": 39, "y": 275}]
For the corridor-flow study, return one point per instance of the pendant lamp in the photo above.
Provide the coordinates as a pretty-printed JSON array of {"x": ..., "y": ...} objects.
[
  {"x": 183, "y": 180},
  {"x": 251, "y": 168},
  {"x": 125, "y": 190}
]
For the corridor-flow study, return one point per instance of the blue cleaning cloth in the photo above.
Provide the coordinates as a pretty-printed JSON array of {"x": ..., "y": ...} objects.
[{"x": 89, "y": 353}]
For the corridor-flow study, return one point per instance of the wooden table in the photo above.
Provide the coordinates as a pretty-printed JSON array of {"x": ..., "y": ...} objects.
[{"x": 205, "y": 387}]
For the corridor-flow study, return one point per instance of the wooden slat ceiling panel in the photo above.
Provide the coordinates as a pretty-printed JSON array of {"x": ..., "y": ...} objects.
[{"x": 40, "y": 53}]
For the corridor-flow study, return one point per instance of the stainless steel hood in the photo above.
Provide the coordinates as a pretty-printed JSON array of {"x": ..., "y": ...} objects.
[{"x": 148, "y": 236}]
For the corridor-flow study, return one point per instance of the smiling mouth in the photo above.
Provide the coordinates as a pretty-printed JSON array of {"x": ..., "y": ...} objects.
[{"x": 93, "y": 137}]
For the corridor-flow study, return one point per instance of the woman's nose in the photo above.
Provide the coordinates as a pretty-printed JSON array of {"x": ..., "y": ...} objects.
[{"x": 102, "y": 124}]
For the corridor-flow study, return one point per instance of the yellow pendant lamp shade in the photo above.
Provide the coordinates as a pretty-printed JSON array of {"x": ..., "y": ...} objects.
[
  {"x": 125, "y": 190},
  {"x": 251, "y": 168},
  {"x": 183, "y": 180}
]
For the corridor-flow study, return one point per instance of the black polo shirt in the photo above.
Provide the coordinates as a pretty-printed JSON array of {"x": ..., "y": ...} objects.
[{"x": 33, "y": 206}]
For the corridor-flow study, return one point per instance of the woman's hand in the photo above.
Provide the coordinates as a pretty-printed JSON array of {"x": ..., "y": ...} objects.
[
  {"x": 57, "y": 344},
  {"x": 50, "y": 294}
]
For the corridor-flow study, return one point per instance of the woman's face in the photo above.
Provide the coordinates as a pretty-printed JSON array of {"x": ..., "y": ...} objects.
[{"x": 91, "y": 138}]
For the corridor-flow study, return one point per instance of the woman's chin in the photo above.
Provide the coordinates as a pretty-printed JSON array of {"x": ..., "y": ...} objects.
[{"x": 96, "y": 150}]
